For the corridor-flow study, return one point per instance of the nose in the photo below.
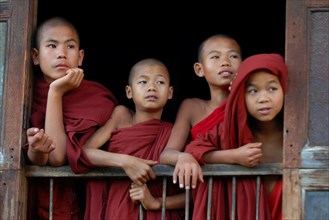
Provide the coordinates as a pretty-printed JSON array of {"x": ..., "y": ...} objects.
[
  {"x": 61, "y": 52},
  {"x": 152, "y": 87},
  {"x": 225, "y": 62},
  {"x": 263, "y": 97}
]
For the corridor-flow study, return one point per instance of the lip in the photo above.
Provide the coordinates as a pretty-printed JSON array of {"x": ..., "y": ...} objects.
[
  {"x": 151, "y": 98},
  {"x": 226, "y": 73},
  {"x": 264, "y": 111},
  {"x": 61, "y": 66}
]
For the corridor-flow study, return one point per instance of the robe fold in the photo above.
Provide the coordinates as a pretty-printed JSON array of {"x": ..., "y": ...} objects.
[
  {"x": 216, "y": 117},
  {"x": 145, "y": 140},
  {"x": 84, "y": 110},
  {"x": 232, "y": 133}
]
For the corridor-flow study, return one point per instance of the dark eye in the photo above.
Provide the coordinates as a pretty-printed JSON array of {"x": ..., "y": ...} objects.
[
  {"x": 235, "y": 56},
  {"x": 214, "y": 57},
  {"x": 252, "y": 91},
  {"x": 272, "y": 89},
  {"x": 51, "y": 45},
  {"x": 142, "y": 82}
]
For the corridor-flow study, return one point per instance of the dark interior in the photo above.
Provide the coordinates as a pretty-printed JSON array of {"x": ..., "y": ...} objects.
[{"x": 116, "y": 35}]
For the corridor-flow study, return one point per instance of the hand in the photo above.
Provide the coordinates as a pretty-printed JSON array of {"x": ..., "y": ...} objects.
[
  {"x": 187, "y": 167},
  {"x": 39, "y": 141},
  {"x": 249, "y": 155},
  {"x": 139, "y": 170},
  {"x": 229, "y": 88},
  {"x": 71, "y": 80},
  {"x": 143, "y": 195}
]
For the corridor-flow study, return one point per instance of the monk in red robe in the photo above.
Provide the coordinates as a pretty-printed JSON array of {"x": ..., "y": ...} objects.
[
  {"x": 219, "y": 57},
  {"x": 81, "y": 118},
  {"x": 253, "y": 108},
  {"x": 66, "y": 110},
  {"x": 145, "y": 140},
  {"x": 135, "y": 140}
]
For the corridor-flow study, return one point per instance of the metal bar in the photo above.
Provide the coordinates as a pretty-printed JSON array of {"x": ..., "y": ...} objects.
[
  {"x": 187, "y": 203},
  {"x": 209, "y": 170},
  {"x": 51, "y": 197},
  {"x": 164, "y": 193},
  {"x": 257, "y": 197},
  {"x": 160, "y": 170},
  {"x": 233, "y": 198},
  {"x": 209, "y": 198},
  {"x": 141, "y": 212}
]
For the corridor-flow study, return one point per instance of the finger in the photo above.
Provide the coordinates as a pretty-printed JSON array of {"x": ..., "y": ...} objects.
[
  {"x": 151, "y": 174},
  {"x": 201, "y": 176},
  {"x": 138, "y": 182},
  {"x": 175, "y": 174},
  {"x": 194, "y": 178},
  {"x": 181, "y": 179},
  {"x": 151, "y": 162},
  {"x": 32, "y": 131},
  {"x": 187, "y": 179}
]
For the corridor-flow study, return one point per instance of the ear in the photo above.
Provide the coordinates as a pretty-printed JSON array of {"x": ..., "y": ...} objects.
[
  {"x": 129, "y": 92},
  {"x": 198, "y": 69},
  {"x": 35, "y": 56},
  {"x": 81, "y": 56},
  {"x": 171, "y": 92}
]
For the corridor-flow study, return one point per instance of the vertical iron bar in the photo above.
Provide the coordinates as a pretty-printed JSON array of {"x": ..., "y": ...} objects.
[
  {"x": 209, "y": 199},
  {"x": 257, "y": 197},
  {"x": 141, "y": 212},
  {"x": 187, "y": 203},
  {"x": 164, "y": 194},
  {"x": 51, "y": 192},
  {"x": 233, "y": 197}
]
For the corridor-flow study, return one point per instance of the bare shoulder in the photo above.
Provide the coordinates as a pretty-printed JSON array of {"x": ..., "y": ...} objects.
[
  {"x": 121, "y": 111},
  {"x": 192, "y": 102},
  {"x": 193, "y": 110},
  {"x": 122, "y": 116}
]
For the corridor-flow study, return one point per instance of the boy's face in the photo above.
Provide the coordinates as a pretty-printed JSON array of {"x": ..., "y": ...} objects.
[
  {"x": 263, "y": 95},
  {"x": 58, "y": 52},
  {"x": 150, "y": 88},
  {"x": 221, "y": 58}
]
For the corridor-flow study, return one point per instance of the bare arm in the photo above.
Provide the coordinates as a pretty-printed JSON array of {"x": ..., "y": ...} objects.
[
  {"x": 187, "y": 169},
  {"x": 178, "y": 137},
  {"x": 248, "y": 155},
  {"x": 143, "y": 195},
  {"x": 54, "y": 122},
  {"x": 138, "y": 170}
]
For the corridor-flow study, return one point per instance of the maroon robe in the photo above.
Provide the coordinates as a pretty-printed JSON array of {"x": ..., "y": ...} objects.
[
  {"x": 235, "y": 132},
  {"x": 216, "y": 117},
  {"x": 145, "y": 140},
  {"x": 199, "y": 194},
  {"x": 84, "y": 110}
]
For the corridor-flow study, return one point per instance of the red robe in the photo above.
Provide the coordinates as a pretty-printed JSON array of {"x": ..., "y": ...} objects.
[
  {"x": 235, "y": 132},
  {"x": 200, "y": 192},
  {"x": 216, "y": 117},
  {"x": 145, "y": 140},
  {"x": 84, "y": 110}
]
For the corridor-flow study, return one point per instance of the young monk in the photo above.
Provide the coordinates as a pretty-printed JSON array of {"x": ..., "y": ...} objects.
[
  {"x": 66, "y": 110},
  {"x": 254, "y": 114},
  {"x": 219, "y": 57},
  {"x": 132, "y": 135}
]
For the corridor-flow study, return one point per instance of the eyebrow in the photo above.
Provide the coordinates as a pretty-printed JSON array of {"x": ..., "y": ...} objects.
[
  {"x": 247, "y": 84},
  {"x": 68, "y": 40}
]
